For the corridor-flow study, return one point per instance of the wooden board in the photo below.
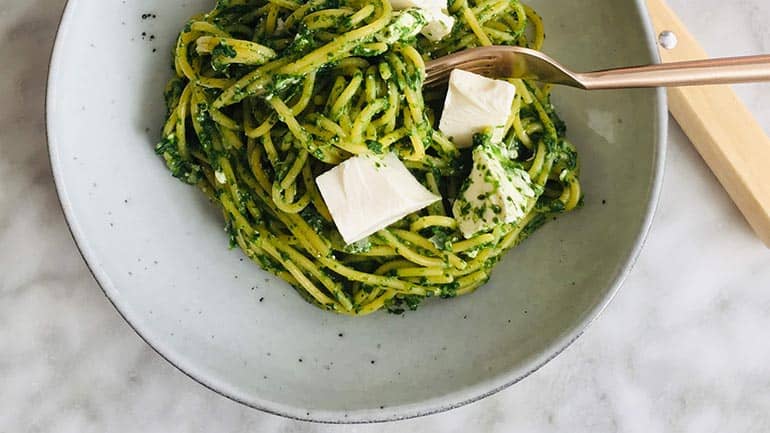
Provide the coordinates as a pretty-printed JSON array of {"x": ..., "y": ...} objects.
[{"x": 722, "y": 129}]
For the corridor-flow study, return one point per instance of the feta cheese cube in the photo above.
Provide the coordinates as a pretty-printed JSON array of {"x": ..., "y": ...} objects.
[
  {"x": 439, "y": 25},
  {"x": 496, "y": 192},
  {"x": 474, "y": 103},
  {"x": 367, "y": 193}
]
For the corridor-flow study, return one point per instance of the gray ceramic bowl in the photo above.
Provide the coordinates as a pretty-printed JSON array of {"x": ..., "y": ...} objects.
[{"x": 158, "y": 249}]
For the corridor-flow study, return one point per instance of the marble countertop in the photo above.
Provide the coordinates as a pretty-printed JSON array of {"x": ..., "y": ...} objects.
[{"x": 684, "y": 347}]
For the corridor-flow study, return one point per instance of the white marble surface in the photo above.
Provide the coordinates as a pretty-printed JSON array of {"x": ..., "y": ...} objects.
[{"x": 683, "y": 348}]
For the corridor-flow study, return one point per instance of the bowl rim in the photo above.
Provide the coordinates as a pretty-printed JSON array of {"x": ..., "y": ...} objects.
[{"x": 366, "y": 416}]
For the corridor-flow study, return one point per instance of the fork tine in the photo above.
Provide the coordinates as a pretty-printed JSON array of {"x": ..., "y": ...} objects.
[
  {"x": 441, "y": 80},
  {"x": 468, "y": 66},
  {"x": 438, "y": 77},
  {"x": 438, "y": 73},
  {"x": 473, "y": 63}
]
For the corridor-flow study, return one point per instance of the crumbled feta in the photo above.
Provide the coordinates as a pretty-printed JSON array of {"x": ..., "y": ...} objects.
[
  {"x": 496, "y": 192},
  {"x": 407, "y": 24},
  {"x": 219, "y": 175},
  {"x": 438, "y": 22}
]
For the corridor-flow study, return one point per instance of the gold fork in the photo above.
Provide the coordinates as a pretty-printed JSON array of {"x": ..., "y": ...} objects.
[{"x": 517, "y": 62}]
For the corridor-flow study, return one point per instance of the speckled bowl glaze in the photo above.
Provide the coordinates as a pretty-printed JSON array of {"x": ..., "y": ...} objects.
[{"x": 158, "y": 249}]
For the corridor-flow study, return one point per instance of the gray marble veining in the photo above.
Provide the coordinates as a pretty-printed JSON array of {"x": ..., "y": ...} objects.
[{"x": 683, "y": 347}]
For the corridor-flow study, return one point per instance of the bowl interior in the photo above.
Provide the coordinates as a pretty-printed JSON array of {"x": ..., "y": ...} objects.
[{"x": 160, "y": 252}]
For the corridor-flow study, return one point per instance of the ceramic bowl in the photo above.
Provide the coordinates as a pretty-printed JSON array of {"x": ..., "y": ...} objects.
[{"x": 158, "y": 248}]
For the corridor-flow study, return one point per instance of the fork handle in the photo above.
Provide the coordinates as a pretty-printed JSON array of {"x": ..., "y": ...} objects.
[
  {"x": 721, "y": 128},
  {"x": 729, "y": 70}
]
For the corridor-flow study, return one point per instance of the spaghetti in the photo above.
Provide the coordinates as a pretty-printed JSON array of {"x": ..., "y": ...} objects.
[{"x": 269, "y": 94}]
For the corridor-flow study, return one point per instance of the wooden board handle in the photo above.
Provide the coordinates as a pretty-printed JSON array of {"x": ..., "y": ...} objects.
[{"x": 722, "y": 129}]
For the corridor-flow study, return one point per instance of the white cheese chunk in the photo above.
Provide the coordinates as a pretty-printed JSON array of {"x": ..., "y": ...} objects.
[
  {"x": 406, "y": 25},
  {"x": 367, "y": 193},
  {"x": 474, "y": 103},
  {"x": 439, "y": 25},
  {"x": 439, "y": 22},
  {"x": 219, "y": 175},
  {"x": 496, "y": 192}
]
